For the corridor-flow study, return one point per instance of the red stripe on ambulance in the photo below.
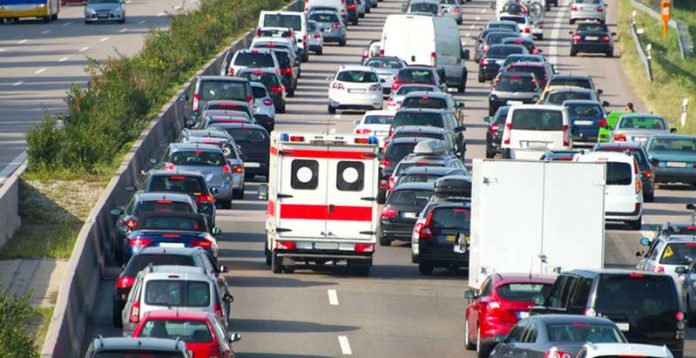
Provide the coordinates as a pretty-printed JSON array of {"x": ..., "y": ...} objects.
[{"x": 322, "y": 212}]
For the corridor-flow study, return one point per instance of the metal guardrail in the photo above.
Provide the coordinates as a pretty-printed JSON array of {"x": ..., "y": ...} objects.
[
  {"x": 643, "y": 54},
  {"x": 686, "y": 44}
]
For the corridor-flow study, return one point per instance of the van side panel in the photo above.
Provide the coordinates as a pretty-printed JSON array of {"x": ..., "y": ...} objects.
[
  {"x": 448, "y": 49},
  {"x": 409, "y": 37}
]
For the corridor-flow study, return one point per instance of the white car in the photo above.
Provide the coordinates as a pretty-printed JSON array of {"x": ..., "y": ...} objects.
[
  {"x": 387, "y": 68},
  {"x": 397, "y": 98},
  {"x": 356, "y": 88},
  {"x": 376, "y": 123},
  {"x": 522, "y": 21},
  {"x": 315, "y": 38},
  {"x": 623, "y": 200},
  {"x": 264, "y": 108},
  {"x": 666, "y": 253},
  {"x": 597, "y": 350},
  {"x": 531, "y": 130},
  {"x": 252, "y": 58}
]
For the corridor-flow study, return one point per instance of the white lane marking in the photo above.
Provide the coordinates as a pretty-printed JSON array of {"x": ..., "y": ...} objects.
[
  {"x": 45, "y": 32},
  {"x": 161, "y": 14},
  {"x": 104, "y": 39},
  {"x": 123, "y": 30},
  {"x": 63, "y": 59},
  {"x": 345, "y": 345},
  {"x": 472, "y": 26},
  {"x": 17, "y": 83},
  {"x": 478, "y": 18},
  {"x": 468, "y": 34},
  {"x": 40, "y": 71},
  {"x": 141, "y": 22},
  {"x": 178, "y": 7},
  {"x": 555, "y": 33},
  {"x": 22, "y": 41},
  {"x": 67, "y": 23},
  {"x": 2, "y": 50},
  {"x": 483, "y": 11},
  {"x": 128, "y": 1},
  {"x": 338, "y": 116},
  {"x": 11, "y": 166},
  {"x": 647, "y": 233},
  {"x": 333, "y": 297},
  {"x": 83, "y": 49}
]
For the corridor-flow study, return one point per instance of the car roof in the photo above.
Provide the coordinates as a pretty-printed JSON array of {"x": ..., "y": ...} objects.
[
  {"x": 192, "y": 271},
  {"x": 674, "y": 136},
  {"x": 176, "y": 172},
  {"x": 605, "y": 157},
  {"x": 238, "y": 125},
  {"x": 161, "y": 195},
  {"x": 437, "y": 94},
  {"x": 443, "y": 171},
  {"x": 355, "y": 68},
  {"x": 569, "y": 318},
  {"x": 102, "y": 344},
  {"x": 194, "y": 146},
  {"x": 595, "y": 273},
  {"x": 178, "y": 251},
  {"x": 380, "y": 112},
  {"x": 506, "y": 22},
  {"x": 255, "y": 50},
  {"x": 418, "y": 129},
  {"x": 503, "y": 278},
  {"x": 178, "y": 313},
  {"x": 414, "y": 186},
  {"x": 404, "y": 140},
  {"x": 641, "y": 115}
]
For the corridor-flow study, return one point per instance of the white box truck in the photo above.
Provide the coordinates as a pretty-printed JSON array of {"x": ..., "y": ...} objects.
[{"x": 535, "y": 217}]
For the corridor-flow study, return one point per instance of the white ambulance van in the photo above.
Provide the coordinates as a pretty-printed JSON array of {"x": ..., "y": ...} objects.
[{"x": 322, "y": 200}]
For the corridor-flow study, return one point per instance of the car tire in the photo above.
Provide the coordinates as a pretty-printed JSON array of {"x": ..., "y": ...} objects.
[
  {"x": 361, "y": 16},
  {"x": 571, "y": 21},
  {"x": 354, "y": 22},
  {"x": 636, "y": 224},
  {"x": 238, "y": 194},
  {"x": 459, "y": 21},
  {"x": 291, "y": 92},
  {"x": 609, "y": 53},
  {"x": 342, "y": 43},
  {"x": 481, "y": 79},
  {"x": 481, "y": 350},
  {"x": 468, "y": 345},
  {"x": 320, "y": 52},
  {"x": 649, "y": 197},
  {"x": 359, "y": 268},
  {"x": 381, "y": 197},
  {"x": 425, "y": 268},
  {"x": 122, "y": 21},
  {"x": 540, "y": 37},
  {"x": 383, "y": 240},
  {"x": 462, "y": 86},
  {"x": 490, "y": 154},
  {"x": 116, "y": 310},
  {"x": 573, "y": 53},
  {"x": 332, "y": 110},
  {"x": 414, "y": 258},
  {"x": 54, "y": 17},
  {"x": 276, "y": 266},
  {"x": 227, "y": 204},
  {"x": 267, "y": 252},
  {"x": 690, "y": 314}
]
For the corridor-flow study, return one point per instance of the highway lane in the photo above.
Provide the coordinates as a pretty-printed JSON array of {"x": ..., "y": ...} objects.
[
  {"x": 39, "y": 62},
  {"x": 324, "y": 312}
]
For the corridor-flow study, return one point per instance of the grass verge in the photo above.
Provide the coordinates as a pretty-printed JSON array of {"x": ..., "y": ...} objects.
[
  {"x": 22, "y": 327},
  {"x": 674, "y": 77}
]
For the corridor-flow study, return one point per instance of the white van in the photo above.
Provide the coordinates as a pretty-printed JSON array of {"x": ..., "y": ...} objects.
[
  {"x": 623, "y": 200},
  {"x": 339, "y": 5},
  {"x": 427, "y": 40},
  {"x": 297, "y": 21},
  {"x": 530, "y": 130}
]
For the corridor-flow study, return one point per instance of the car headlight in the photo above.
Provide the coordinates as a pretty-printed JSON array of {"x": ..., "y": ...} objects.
[{"x": 40, "y": 6}]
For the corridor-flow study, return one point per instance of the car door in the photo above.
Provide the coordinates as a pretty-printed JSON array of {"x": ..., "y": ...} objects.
[
  {"x": 477, "y": 305},
  {"x": 526, "y": 347},
  {"x": 506, "y": 349},
  {"x": 577, "y": 302}
]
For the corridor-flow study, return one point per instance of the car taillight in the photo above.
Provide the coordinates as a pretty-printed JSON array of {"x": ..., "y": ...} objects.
[
  {"x": 619, "y": 137},
  {"x": 527, "y": 30},
  {"x": 276, "y": 89},
  {"x": 134, "y": 312},
  {"x": 603, "y": 123},
  {"x": 648, "y": 173},
  {"x": 218, "y": 310},
  {"x": 493, "y": 129},
  {"x": 286, "y": 71},
  {"x": 317, "y": 35},
  {"x": 285, "y": 245},
  {"x": 493, "y": 305},
  {"x": 125, "y": 282},
  {"x": 485, "y": 49},
  {"x": 130, "y": 223},
  {"x": 336, "y": 25},
  {"x": 484, "y": 62},
  {"x": 424, "y": 229},
  {"x": 258, "y": 32},
  {"x": 590, "y": 312},
  {"x": 396, "y": 85},
  {"x": 169, "y": 166},
  {"x": 576, "y": 38},
  {"x": 363, "y": 131},
  {"x": 388, "y": 213},
  {"x": 227, "y": 169},
  {"x": 351, "y": 7},
  {"x": 390, "y": 183},
  {"x": 433, "y": 58},
  {"x": 574, "y": 8},
  {"x": 230, "y": 72},
  {"x": 605, "y": 38},
  {"x": 196, "y": 100},
  {"x": 655, "y": 163},
  {"x": 457, "y": 10},
  {"x": 658, "y": 269},
  {"x": 237, "y": 169},
  {"x": 201, "y": 243},
  {"x": 539, "y": 25},
  {"x": 600, "y": 8},
  {"x": 375, "y": 87},
  {"x": 140, "y": 242},
  {"x": 204, "y": 198},
  {"x": 507, "y": 133},
  {"x": 268, "y": 101},
  {"x": 385, "y": 162},
  {"x": 555, "y": 353},
  {"x": 566, "y": 135},
  {"x": 364, "y": 247}
]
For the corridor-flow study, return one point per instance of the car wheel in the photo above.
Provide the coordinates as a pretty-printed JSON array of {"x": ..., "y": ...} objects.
[
  {"x": 342, "y": 43},
  {"x": 227, "y": 204},
  {"x": 610, "y": 53},
  {"x": 690, "y": 314},
  {"x": 276, "y": 266},
  {"x": 481, "y": 351},
  {"x": 122, "y": 21},
  {"x": 238, "y": 193},
  {"x": 383, "y": 240},
  {"x": 649, "y": 197},
  {"x": 636, "y": 225},
  {"x": 267, "y": 252},
  {"x": 320, "y": 51},
  {"x": 459, "y": 21},
  {"x": 490, "y": 154},
  {"x": 468, "y": 344},
  {"x": 573, "y": 53},
  {"x": 462, "y": 86},
  {"x": 354, "y": 22},
  {"x": 425, "y": 268},
  {"x": 481, "y": 79},
  {"x": 571, "y": 21},
  {"x": 116, "y": 313},
  {"x": 332, "y": 110},
  {"x": 291, "y": 92},
  {"x": 359, "y": 267}
]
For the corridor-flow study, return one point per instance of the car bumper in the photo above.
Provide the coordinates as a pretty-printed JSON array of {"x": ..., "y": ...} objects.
[
  {"x": 488, "y": 72},
  {"x": 623, "y": 215},
  {"x": 441, "y": 256},
  {"x": 110, "y": 17},
  {"x": 252, "y": 168},
  {"x": 586, "y": 16},
  {"x": 673, "y": 175},
  {"x": 373, "y": 101},
  {"x": 592, "y": 47},
  {"x": 397, "y": 231},
  {"x": 265, "y": 121}
]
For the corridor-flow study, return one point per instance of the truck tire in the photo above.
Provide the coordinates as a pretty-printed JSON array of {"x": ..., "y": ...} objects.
[
  {"x": 116, "y": 313},
  {"x": 635, "y": 225},
  {"x": 425, "y": 268}
]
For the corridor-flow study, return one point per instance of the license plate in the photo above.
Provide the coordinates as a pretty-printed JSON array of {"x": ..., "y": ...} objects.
[
  {"x": 640, "y": 139},
  {"x": 522, "y": 314},
  {"x": 252, "y": 165},
  {"x": 451, "y": 238},
  {"x": 327, "y": 30},
  {"x": 408, "y": 215},
  {"x": 591, "y": 38},
  {"x": 171, "y": 244},
  {"x": 623, "y": 326},
  {"x": 536, "y": 144},
  {"x": 356, "y": 91},
  {"x": 583, "y": 123},
  {"x": 676, "y": 164},
  {"x": 324, "y": 246}
]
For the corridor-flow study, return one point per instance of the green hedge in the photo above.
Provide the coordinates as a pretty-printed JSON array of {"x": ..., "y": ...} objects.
[
  {"x": 15, "y": 338},
  {"x": 126, "y": 92}
]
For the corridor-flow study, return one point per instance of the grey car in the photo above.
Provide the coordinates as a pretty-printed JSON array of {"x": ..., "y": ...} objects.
[
  {"x": 105, "y": 11},
  {"x": 387, "y": 67},
  {"x": 208, "y": 160},
  {"x": 452, "y": 8},
  {"x": 264, "y": 110},
  {"x": 513, "y": 86},
  {"x": 331, "y": 25},
  {"x": 587, "y": 10},
  {"x": 639, "y": 127}
]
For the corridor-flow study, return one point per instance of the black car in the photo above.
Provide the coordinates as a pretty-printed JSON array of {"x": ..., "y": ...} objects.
[
  {"x": 556, "y": 336},
  {"x": 646, "y": 306},
  {"x": 592, "y": 38},
  {"x": 271, "y": 80},
  {"x": 444, "y": 226},
  {"x": 178, "y": 181},
  {"x": 494, "y": 134},
  {"x": 352, "y": 9},
  {"x": 481, "y": 42},
  {"x": 417, "y": 174},
  {"x": 140, "y": 203},
  {"x": 158, "y": 256},
  {"x": 401, "y": 211},
  {"x": 255, "y": 144},
  {"x": 513, "y": 86},
  {"x": 647, "y": 176},
  {"x": 394, "y": 151},
  {"x": 493, "y": 59}
]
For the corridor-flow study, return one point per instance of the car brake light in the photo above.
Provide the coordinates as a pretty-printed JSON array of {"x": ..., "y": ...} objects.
[
  {"x": 396, "y": 85},
  {"x": 204, "y": 198},
  {"x": 338, "y": 86},
  {"x": 648, "y": 173},
  {"x": 388, "y": 213},
  {"x": 600, "y": 8},
  {"x": 285, "y": 245},
  {"x": 457, "y": 10},
  {"x": 566, "y": 135},
  {"x": 364, "y": 247},
  {"x": 351, "y": 7},
  {"x": 484, "y": 62},
  {"x": 574, "y": 8},
  {"x": 423, "y": 229},
  {"x": 363, "y": 131},
  {"x": 135, "y": 312},
  {"x": 636, "y": 275},
  {"x": 237, "y": 169},
  {"x": 493, "y": 129},
  {"x": 603, "y": 122},
  {"x": 317, "y": 35},
  {"x": 508, "y": 129},
  {"x": 391, "y": 182},
  {"x": 196, "y": 100},
  {"x": 658, "y": 269},
  {"x": 527, "y": 30},
  {"x": 555, "y": 353},
  {"x": 140, "y": 242},
  {"x": 268, "y": 101},
  {"x": 433, "y": 58},
  {"x": 493, "y": 305},
  {"x": 619, "y": 137},
  {"x": 286, "y": 70},
  {"x": 576, "y": 38},
  {"x": 605, "y": 38},
  {"x": 125, "y": 282},
  {"x": 227, "y": 169},
  {"x": 336, "y": 25},
  {"x": 218, "y": 310},
  {"x": 385, "y": 162},
  {"x": 276, "y": 89},
  {"x": 201, "y": 243},
  {"x": 130, "y": 223}
]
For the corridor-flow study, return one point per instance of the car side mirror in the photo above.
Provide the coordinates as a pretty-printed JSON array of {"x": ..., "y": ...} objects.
[
  {"x": 214, "y": 190},
  {"x": 216, "y": 231},
  {"x": 116, "y": 211},
  {"x": 673, "y": 130},
  {"x": 640, "y": 253},
  {"x": 235, "y": 337},
  {"x": 605, "y": 104},
  {"x": 680, "y": 270},
  {"x": 263, "y": 192},
  {"x": 466, "y": 55},
  {"x": 152, "y": 161},
  {"x": 487, "y": 119},
  {"x": 460, "y": 105},
  {"x": 600, "y": 91},
  {"x": 690, "y": 207},
  {"x": 223, "y": 269},
  {"x": 470, "y": 294},
  {"x": 644, "y": 241},
  {"x": 130, "y": 189}
]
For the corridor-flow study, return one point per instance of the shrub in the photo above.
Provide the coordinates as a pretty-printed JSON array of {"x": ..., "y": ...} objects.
[{"x": 15, "y": 338}]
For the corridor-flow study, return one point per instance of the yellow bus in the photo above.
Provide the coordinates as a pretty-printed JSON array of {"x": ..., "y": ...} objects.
[{"x": 12, "y": 10}]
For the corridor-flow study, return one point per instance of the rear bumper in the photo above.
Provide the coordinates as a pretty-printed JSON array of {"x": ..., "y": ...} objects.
[
  {"x": 488, "y": 72},
  {"x": 262, "y": 169},
  {"x": 619, "y": 216},
  {"x": 665, "y": 175},
  {"x": 592, "y": 47},
  {"x": 289, "y": 257},
  {"x": 444, "y": 256},
  {"x": 397, "y": 231}
]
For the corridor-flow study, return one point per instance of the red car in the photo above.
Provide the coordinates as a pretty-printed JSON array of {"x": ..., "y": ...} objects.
[
  {"x": 502, "y": 301},
  {"x": 205, "y": 335}
]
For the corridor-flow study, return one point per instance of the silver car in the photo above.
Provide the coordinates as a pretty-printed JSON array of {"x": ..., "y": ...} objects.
[
  {"x": 264, "y": 109},
  {"x": 315, "y": 38},
  {"x": 665, "y": 254},
  {"x": 209, "y": 160},
  {"x": 396, "y": 99},
  {"x": 387, "y": 67},
  {"x": 452, "y": 8},
  {"x": 105, "y": 11},
  {"x": 331, "y": 26},
  {"x": 638, "y": 127},
  {"x": 595, "y": 10}
]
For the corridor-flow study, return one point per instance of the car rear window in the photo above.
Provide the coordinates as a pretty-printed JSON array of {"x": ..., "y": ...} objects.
[
  {"x": 495, "y": 38},
  {"x": 139, "y": 262},
  {"x": 590, "y": 27},
  {"x": 404, "y": 90},
  {"x": 682, "y": 253},
  {"x": 410, "y": 197},
  {"x": 170, "y": 223},
  {"x": 516, "y": 83},
  {"x": 537, "y": 120},
  {"x": 521, "y": 58},
  {"x": 584, "y": 109},
  {"x": 403, "y": 134},
  {"x": 281, "y": 20},
  {"x": 664, "y": 144},
  {"x": 413, "y": 75},
  {"x": 517, "y": 19},
  {"x": 584, "y": 332},
  {"x": 177, "y": 183},
  {"x": 254, "y": 59},
  {"x": 505, "y": 50},
  {"x": 357, "y": 76},
  {"x": 248, "y": 135},
  {"x": 283, "y": 58},
  {"x": 222, "y": 106},
  {"x": 259, "y": 92},
  {"x": 418, "y": 119},
  {"x": 418, "y": 178},
  {"x": 177, "y": 293},
  {"x": 390, "y": 63},
  {"x": 559, "y": 97},
  {"x": 425, "y": 7},
  {"x": 139, "y": 353},
  {"x": 424, "y": 102},
  {"x": 523, "y": 291},
  {"x": 398, "y": 151},
  {"x": 273, "y": 33},
  {"x": 324, "y": 17},
  {"x": 636, "y": 153},
  {"x": 538, "y": 71},
  {"x": 268, "y": 79},
  {"x": 648, "y": 297},
  {"x": 619, "y": 173},
  {"x": 404, "y": 166},
  {"x": 642, "y": 123},
  {"x": 161, "y": 206},
  {"x": 450, "y": 218},
  {"x": 571, "y": 82},
  {"x": 220, "y": 90},
  {"x": 197, "y": 158},
  {"x": 374, "y": 119},
  {"x": 187, "y": 330}
]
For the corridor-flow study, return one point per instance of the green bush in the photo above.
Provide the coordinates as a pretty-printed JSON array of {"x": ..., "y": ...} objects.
[
  {"x": 15, "y": 338},
  {"x": 125, "y": 92}
]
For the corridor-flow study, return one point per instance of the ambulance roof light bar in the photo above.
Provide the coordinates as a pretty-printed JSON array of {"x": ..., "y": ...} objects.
[{"x": 285, "y": 137}]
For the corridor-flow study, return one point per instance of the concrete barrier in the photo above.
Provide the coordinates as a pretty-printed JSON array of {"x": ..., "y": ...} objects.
[
  {"x": 9, "y": 204},
  {"x": 94, "y": 245}
]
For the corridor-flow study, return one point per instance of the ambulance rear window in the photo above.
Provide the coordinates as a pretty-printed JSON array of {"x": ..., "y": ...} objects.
[
  {"x": 350, "y": 176},
  {"x": 305, "y": 174}
]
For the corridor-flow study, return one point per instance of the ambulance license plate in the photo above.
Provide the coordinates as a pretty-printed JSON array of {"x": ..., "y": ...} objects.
[
  {"x": 252, "y": 165},
  {"x": 408, "y": 215}
]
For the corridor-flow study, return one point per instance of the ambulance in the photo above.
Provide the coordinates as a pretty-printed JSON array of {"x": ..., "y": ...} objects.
[{"x": 322, "y": 201}]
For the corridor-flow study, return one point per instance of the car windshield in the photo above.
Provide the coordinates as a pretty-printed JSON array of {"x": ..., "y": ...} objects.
[
  {"x": 450, "y": 2},
  {"x": 517, "y": 19},
  {"x": 425, "y": 7},
  {"x": 592, "y": 27},
  {"x": 583, "y": 332},
  {"x": 324, "y": 17},
  {"x": 283, "y": 20},
  {"x": 425, "y": 119},
  {"x": 521, "y": 58},
  {"x": 137, "y": 353},
  {"x": 374, "y": 119},
  {"x": 676, "y": 144},
  {"x": 523, "y": 291},
  {"x": 646, "y": 297},
  {"x": 219, "y": 90},
  {"x": 537, "y": 120},
  {"x": 410, "y": 197},
  {"x": 161, "y": 206},
  {"x": 413, "y": 75},
  {"x": 252, "y": 135},
  {"x": 139, "y": 262},
  {"x": 450, "y": 218},
  {"x": 559, "y": 97},
  {"x": 357, "y": 77},
  {"x": 571, "y": 82},
  {"x": 516, "y": 83},
  {"x": 618, "y": 173},
  {"x": 584, "y": 109},
  {"x": 398, "y": 151},
  {"x": 222, "y": 106},
  {"x": 177, "y": 293},
  {"x": 188, "y": 331},
  {"x": 404, "y": 90},
  {"x": 390, "y": 63},
  {"x": 505, "y": 50},
  {"x": 495, "y": 38},
  {"x": 641, "y": 123},
  {"x": 170, "y": 223},
  {"x": 679, "y": 253},
  {"x": 177, "y": 183},
  {"x": 197, "y": 158},
  {"x": 254, "y": 59},
  {"x": 424, "y": 102}
]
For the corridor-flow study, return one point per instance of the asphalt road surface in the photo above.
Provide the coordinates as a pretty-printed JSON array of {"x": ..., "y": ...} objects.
[
  {"x": 39, "y": 62},
  {"x": 324, "y": 312}
]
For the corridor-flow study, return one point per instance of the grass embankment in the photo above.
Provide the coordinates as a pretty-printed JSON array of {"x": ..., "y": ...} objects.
[
  {"x": 22, "y": 327},
  {"x": 674, "y": 77}
]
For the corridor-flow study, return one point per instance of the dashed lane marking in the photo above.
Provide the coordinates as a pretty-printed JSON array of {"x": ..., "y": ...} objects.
[
  {"x": 40, "y": 71},
  {"x": 333, "y": 297},
  {"x": 345, "y": 345}
]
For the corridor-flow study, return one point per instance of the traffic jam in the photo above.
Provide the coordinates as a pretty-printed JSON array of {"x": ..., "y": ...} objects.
[{"x": 402, "y": 177}]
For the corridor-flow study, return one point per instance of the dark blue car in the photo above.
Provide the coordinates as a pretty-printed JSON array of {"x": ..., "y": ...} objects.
[{"x": 586, "y": 117}]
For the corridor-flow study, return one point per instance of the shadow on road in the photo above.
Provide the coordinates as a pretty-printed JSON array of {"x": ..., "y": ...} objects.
[{"x": 271, "y": 325}]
